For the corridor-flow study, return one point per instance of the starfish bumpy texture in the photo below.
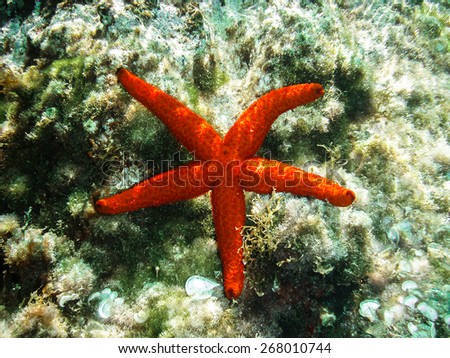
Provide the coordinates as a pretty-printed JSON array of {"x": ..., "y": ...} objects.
[{"x": 226, "y": 167}]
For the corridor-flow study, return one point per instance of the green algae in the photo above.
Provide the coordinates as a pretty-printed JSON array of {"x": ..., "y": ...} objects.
[
  {"x": 194, "y": 95},
  {"x": 64, "y": 72}
]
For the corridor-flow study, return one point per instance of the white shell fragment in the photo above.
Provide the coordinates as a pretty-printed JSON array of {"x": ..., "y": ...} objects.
[
  {"x": 410, "y": 301},
  {"x": 94, "y": 296},
  {"x": 422, "y": 330},
  {"x": 108, "y": 299},
  {"x": 368, "y": 309},
  {"x": 393, "y": 314},
  {"x": 412, "y": 328},
  {"x": 393, "y": 235},
  {"x": 428, "y": 311},
  {"x": 141, "y": 316},
  {"x": 104, "y": 309},
  {"x": 106, "y": 291},
  {"x": 66, "y": 298},
  {"x": 409, "y": 286},
  {"x": 201, "y": 288}
]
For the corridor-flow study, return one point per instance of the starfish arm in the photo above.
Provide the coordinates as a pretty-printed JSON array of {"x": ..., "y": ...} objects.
[
  {"x": 248, "y": 133},
  {"x": 182, "y": 183},
  {"x": 191, "y": 130},
  {"x": 263, "y": 176},
  {"x": 228, "y": 206}
]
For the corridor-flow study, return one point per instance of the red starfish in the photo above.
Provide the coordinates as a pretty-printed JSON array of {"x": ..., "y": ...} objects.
[{"x": 224, "y": 166}]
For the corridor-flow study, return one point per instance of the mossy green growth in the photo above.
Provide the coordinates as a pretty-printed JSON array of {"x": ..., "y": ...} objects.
[
  {"x": 77, "y": 203},
  {"x": 8, "y": 224},
  {"x": 297, "y": 64},
  {"x": 203, "y": 72},
  {"x": 39, "y": 319},
  {"x": 145, "y": 136},
  {"x": 127, "y": 241},
  {"x": 44, "y": 113},
  {"x": 4, "y": 107},
  {"x": 352, "y": 77},
  {"x": 261, "y": 241},
  {"x": 430, "y": 26},
  {"x": 193, "y": 93},
  {"x": 305, "y": 248},
  {"x": 69, "y": 69},
  {"x": 67, "y": 82},
  {"x": 30, "y": 254},
  {"x": 156, "y": 322},
  {"x": 72, "y": 279},
  {"x": 206, "y": 73},
  {"x": 18, "y": 188},
  {"x": 184, "y": 260},
  {"x": 156, "y": 244}
]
